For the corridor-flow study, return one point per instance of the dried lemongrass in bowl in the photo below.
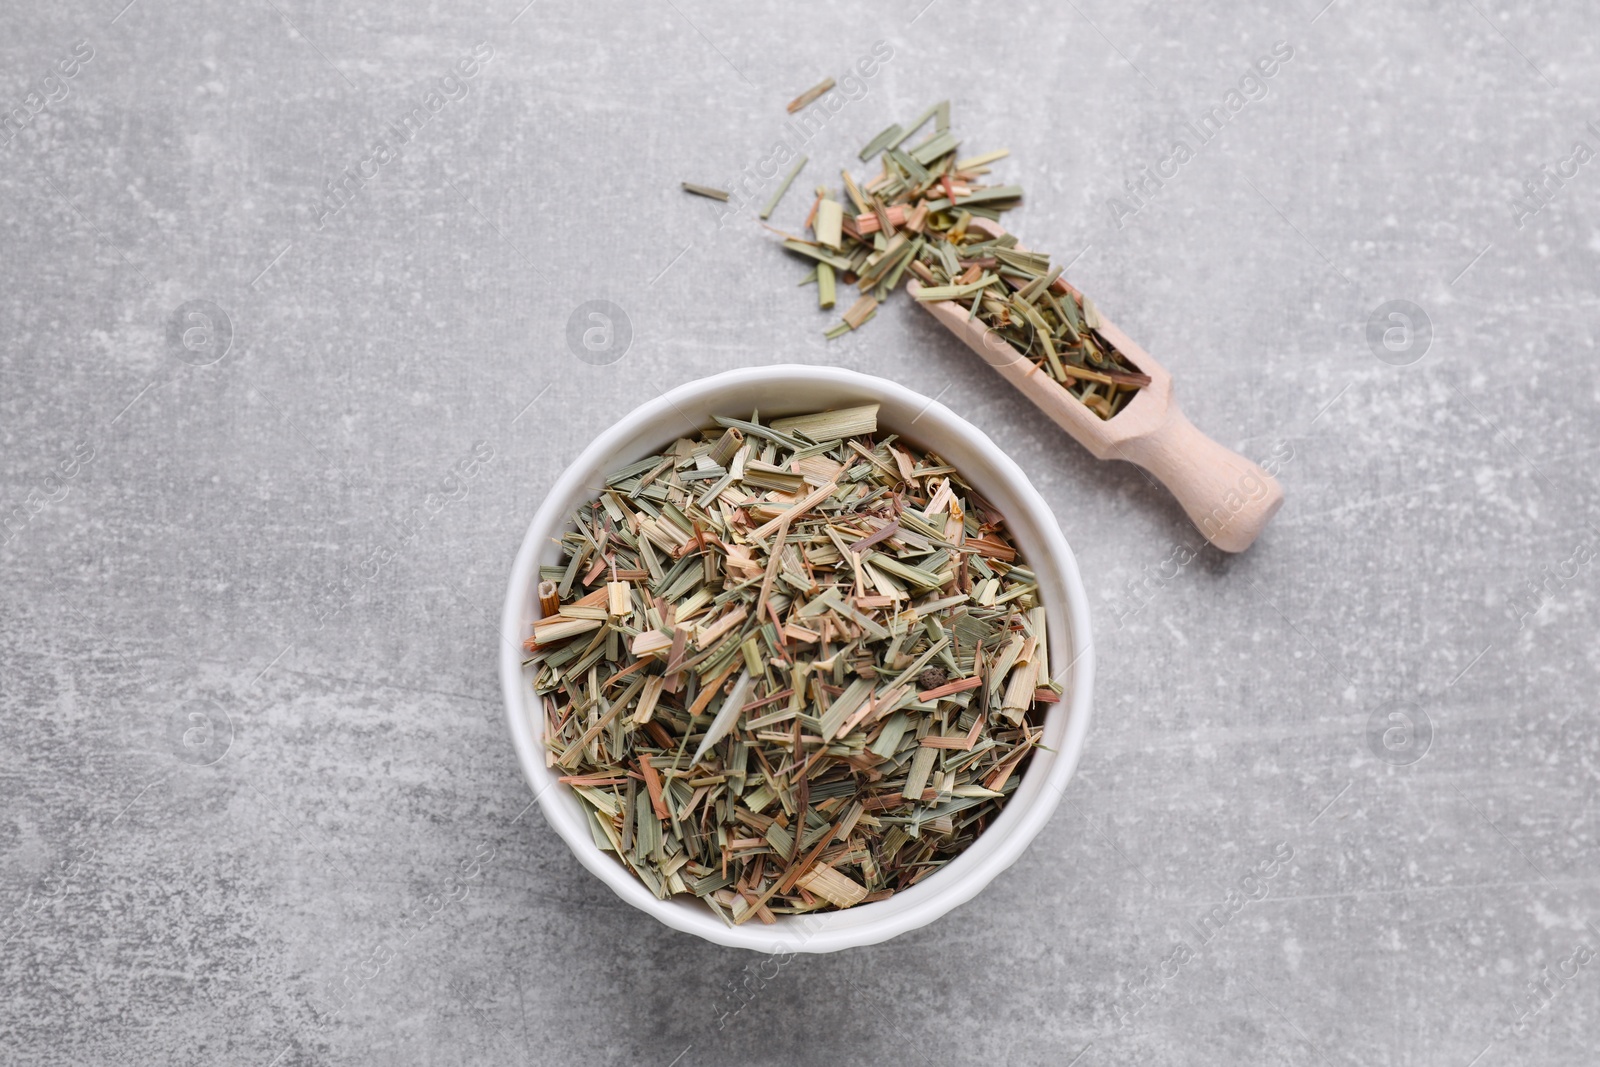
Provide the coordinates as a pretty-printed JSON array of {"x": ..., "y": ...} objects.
[{"x": 793, "y": 665}]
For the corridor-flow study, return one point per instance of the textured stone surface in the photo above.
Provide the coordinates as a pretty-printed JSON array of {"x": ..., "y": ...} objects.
[{"x": 254, "y": 770}]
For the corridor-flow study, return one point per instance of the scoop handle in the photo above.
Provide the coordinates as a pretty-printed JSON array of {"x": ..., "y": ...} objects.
[{"x": 1228, "y": 498}]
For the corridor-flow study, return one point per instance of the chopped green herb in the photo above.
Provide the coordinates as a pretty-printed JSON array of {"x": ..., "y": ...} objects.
[
  {"x": 880, "y": 142},
  {"x": 916, "y": 216},
  {"x": 809, "y": 95},
  {"x": 705, "y": 190},
  {"x": 783, "y": 187},
  {"x": 792, "y": 666}
]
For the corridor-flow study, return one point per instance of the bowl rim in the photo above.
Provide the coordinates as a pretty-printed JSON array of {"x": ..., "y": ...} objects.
[{"x": 821, "y": 935}]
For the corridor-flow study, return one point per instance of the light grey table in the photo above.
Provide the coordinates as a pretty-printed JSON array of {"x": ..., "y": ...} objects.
[{"x": 272, "y": 433}]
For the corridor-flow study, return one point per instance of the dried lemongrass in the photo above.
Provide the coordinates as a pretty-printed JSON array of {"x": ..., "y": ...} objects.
[
  {"x": 809, "y": 95},
  {"x": 783, "y": 187},
  {"x": 915, "y": 218},
  {"x": 705, "y": 190},
  {"x": 793, "y": 666},
  {"x": 832, "y": 425},
  {"x": 828, "y": 224}
]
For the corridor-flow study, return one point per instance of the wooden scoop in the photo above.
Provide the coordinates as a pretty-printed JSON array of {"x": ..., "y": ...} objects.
[{"x": 1227, "y": 497}]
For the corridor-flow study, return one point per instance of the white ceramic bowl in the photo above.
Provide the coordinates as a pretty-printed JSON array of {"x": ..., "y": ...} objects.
[{"x": 776, "y": 391}]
